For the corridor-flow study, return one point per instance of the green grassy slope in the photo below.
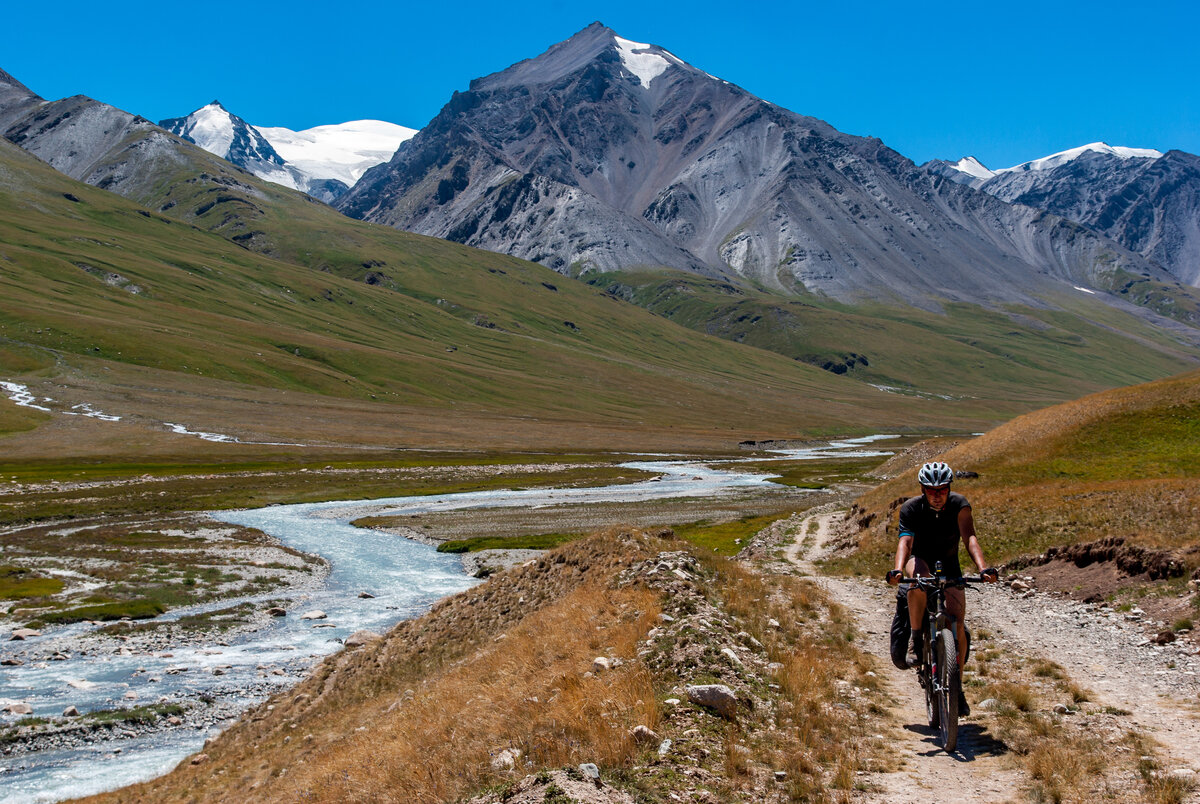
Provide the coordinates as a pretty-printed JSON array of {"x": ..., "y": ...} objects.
[
  {"x": 369, "y": 314},
  {"x": 1012, "y": 358},
  {"x": 997, "y": 364}
]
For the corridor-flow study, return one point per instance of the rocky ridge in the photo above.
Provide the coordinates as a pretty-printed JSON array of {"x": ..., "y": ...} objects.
[{"x": 1149, "y": 205}]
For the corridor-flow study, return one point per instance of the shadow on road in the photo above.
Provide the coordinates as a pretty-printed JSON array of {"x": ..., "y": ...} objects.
[{"x": 973, "y": 741}]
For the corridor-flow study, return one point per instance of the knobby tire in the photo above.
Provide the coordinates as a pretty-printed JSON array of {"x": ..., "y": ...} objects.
[
  {"x": 927, "y": 681},
  {"x": 950, "y": 683}
]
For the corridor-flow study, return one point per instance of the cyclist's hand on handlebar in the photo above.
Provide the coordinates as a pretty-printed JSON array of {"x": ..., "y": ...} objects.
[
  {"x": 894, "y": 576},
  {"x": 991, "y": 574}
]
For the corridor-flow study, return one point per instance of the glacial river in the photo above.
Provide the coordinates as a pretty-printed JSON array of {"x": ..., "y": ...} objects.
[{"x": 404, "y": 577}]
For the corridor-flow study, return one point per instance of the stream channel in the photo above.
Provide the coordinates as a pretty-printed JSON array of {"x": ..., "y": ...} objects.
[{"x": 404, "y": 577}]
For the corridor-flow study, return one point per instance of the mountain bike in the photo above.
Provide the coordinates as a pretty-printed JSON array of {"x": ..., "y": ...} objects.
[{"x": 938, "y": 672}]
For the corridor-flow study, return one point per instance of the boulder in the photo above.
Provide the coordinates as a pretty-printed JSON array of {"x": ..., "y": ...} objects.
[
  {"x": 506, "y": 759},
  {"x": 71, "y": 711},
  {"x": 643, "y": 734},
  {"x": 24, "y": 633},
  {"x": 717, "y": 697},
  {"x": 17, "y": 708},
  {"x": 1164, "y": 638},
  {"x": 199, "y": 759},
  {"x": 360, "y": 638},
  {"x": 315, "y": 614},
  {"x": 365, "y": 596},
  {"x": 601, "y": 663},
  {"x": 277, "y": 611}
]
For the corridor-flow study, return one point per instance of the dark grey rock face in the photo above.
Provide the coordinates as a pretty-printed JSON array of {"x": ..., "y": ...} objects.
[{"x": 601, "y": 155}]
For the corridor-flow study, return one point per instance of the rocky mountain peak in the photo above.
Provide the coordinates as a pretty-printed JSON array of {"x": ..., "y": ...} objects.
[
  {"x": 223, "y": 133},
  {"x": 596, "y": 47}
]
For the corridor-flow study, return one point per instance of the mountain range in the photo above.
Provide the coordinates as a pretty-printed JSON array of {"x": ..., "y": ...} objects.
[
  {"x": 1145, "y": 200},
  {"x": 324, "y": 161},
  {"x": 604, "y": 154}
]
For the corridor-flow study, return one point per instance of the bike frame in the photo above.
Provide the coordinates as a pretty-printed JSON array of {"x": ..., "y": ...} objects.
[{"x": 939, "y": 673}]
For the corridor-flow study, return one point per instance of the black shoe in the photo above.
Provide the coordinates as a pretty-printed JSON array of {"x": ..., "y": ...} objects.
[{"x": 964, "y": 708}]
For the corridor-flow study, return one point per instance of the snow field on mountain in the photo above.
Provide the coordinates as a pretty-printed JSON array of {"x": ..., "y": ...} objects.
[
  {"x": 973, "y": 167},
  {"x": 646, "y": 66},
  {"x": 343, "y": 152}
]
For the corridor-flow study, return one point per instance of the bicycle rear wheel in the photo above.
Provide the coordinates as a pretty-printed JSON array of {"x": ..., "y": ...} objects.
[{"x": 948, "y": 683}]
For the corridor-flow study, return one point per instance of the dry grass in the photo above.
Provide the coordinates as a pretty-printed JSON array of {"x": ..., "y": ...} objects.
[
  {"x": 528, "y": 694},
  {"x": 1088, "y": 755},
  {"x": 422, "y": 715},
  {"x": 816, "y": 736}
]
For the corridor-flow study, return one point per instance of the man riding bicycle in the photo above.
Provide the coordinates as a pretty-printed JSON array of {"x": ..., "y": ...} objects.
[{"x": 931, "y": 526}]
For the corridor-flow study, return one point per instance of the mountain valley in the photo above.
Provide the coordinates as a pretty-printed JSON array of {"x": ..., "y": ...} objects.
[{"x": 691, "y": 346}]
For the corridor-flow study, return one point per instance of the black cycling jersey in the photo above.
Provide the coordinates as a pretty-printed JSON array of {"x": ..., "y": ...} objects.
[{"x": 935, "y": 533}]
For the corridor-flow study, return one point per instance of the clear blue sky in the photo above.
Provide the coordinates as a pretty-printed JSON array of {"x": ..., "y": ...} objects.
[{"x": 1006, "y": 82}]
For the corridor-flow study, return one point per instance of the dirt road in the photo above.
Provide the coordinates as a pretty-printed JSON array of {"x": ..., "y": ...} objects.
[{"x": 1100, "y": 649}]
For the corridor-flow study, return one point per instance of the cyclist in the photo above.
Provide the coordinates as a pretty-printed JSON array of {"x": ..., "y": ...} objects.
[{"x": 931, "y": 526}]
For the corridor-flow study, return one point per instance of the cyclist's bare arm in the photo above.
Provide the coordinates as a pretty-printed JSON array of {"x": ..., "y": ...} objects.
[{"x": 903, "y": 551}]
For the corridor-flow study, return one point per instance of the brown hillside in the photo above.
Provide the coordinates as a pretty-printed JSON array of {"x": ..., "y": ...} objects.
[{"x": 1122, "y": 464}]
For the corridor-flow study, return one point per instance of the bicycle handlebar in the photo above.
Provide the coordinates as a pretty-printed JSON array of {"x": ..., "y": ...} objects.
[{"x": 933, "y": 580}]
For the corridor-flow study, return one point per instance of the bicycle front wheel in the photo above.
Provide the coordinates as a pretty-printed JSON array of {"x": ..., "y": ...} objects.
[{"x": 949, "y": 682}]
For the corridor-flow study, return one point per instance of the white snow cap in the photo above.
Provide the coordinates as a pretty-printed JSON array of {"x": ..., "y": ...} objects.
[
  {"x": 973, "y": 167},
  {"x": 1062, "y": 157},
  {"x": 212, "y": 129},
  {"x": 642, "y": 62},
  {"x": 344, "y": 151}
]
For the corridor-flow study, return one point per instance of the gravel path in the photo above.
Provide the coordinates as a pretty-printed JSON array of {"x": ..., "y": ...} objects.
[{"x": 1102, "y": 650}]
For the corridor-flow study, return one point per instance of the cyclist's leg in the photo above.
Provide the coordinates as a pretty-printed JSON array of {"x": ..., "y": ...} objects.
[
  {"x": 956, "y": 604},
  {"x": 916, "y": 595}
]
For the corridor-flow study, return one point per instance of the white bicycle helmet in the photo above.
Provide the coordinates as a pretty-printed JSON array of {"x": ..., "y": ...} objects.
[{"x": 935, "y": 474}]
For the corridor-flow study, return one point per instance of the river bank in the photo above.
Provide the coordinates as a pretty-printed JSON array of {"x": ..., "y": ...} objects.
[{"x": 374, "y": 580}]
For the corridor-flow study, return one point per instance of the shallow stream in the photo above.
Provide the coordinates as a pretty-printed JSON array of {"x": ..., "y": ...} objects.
[{"x": 403, "y": 578}]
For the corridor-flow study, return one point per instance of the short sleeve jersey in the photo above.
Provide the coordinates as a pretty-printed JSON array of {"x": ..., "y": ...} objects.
[{"x": 935, "y": 533}]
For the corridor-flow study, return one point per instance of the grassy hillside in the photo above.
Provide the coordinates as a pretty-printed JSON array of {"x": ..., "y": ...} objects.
[
  {"x": 95, "y": 286},
  {"x": 1123, "y": 463},
  {"x": 1007, "y": 359}
]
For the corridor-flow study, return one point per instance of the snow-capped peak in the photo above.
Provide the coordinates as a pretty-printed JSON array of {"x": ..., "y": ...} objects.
[
  {"x": 211, "y": 128},
  {"x": 973, "y": 167},
  {"x": 644, "y": 61},
  {"x": 1062, "y": 157}
]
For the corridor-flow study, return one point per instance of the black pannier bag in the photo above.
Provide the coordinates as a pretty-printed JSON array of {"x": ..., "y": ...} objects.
[{"x": 902, "y": 631}]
